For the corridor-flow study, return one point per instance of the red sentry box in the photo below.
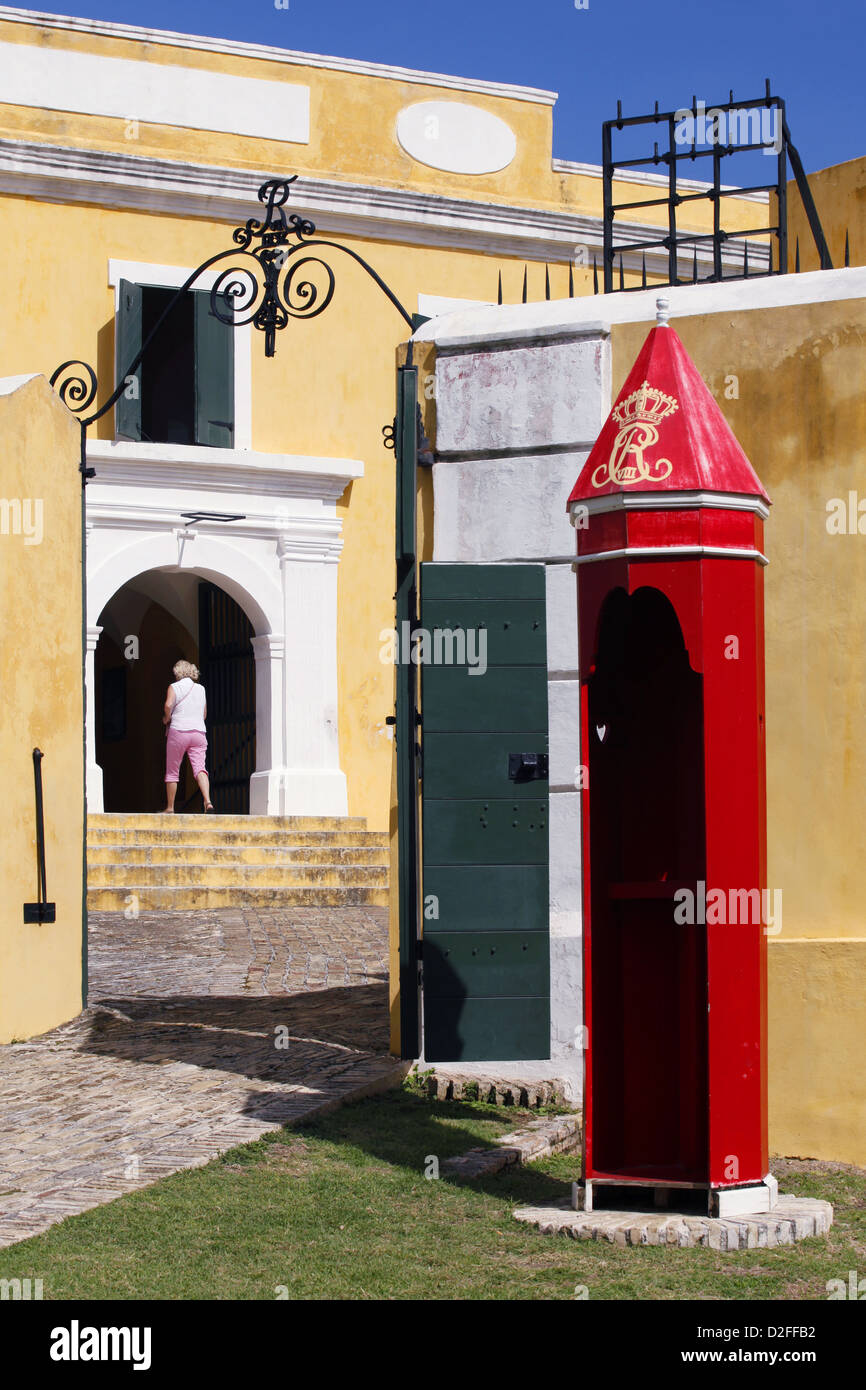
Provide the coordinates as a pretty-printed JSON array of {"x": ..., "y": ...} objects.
[{"x": 669, "y": 516}]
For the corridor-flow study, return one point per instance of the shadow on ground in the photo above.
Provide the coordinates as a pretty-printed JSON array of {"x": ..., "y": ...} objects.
[
  {"x": 267, "y": 1038},
  {"x": 407, "y": 1130}
]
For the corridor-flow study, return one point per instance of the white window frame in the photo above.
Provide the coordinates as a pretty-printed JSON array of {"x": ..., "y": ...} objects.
[{"x": 172, "y": 277}]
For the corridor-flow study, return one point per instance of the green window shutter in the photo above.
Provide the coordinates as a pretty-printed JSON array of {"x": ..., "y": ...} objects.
[
  {"x": 127, "y": 411},
  {"x": 214, "y": 376}
]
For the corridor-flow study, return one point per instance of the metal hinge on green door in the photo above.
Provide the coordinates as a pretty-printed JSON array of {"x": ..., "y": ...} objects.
[{"x": 484, "y": 813}]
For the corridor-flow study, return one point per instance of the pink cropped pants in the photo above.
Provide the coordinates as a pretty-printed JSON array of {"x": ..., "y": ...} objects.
[{"x": 179, "y": 741}]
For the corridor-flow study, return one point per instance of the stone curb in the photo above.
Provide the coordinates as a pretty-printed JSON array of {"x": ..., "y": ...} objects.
[
  {"x": 560, "y": 1134},
  {"x": 792, "y": 1219},
  {"x": 494, "y": 1090}
]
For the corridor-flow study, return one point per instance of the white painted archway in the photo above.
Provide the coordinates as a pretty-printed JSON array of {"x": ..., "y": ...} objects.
[{"x": 278, "y": 562}]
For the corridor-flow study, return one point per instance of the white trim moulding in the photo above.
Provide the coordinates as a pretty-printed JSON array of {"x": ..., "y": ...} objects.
[
  {"x": 625, "y": 501},
  {"x": 595, "y": 171},
  {"x": 225, "y": 470},
  {"x": 660, "y": 552}
]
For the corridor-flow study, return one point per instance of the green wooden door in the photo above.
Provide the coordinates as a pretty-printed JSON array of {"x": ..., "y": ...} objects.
[{"x": 486, "y": 952}]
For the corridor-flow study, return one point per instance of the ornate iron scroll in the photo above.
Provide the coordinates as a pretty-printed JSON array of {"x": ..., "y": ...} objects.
[{"x": 267, "y": 289}]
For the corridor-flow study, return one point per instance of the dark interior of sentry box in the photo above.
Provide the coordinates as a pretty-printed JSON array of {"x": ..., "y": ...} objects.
[{"x": 649, "y": 977}]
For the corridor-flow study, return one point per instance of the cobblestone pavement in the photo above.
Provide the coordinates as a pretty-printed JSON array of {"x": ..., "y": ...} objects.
[{"x": 179, "y": 1055}]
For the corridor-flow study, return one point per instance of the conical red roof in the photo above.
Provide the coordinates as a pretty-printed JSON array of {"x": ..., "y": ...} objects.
[{"x": 665, "y": 433}]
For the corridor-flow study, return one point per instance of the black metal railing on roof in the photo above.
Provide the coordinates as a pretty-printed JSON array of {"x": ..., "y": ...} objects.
[
  {"x": 727, "y": 130},
  {"x": 682, "y": 256}
]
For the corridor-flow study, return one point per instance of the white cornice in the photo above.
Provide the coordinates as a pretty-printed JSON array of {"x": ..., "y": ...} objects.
[
  {"x": 267, "y": 53},
  {"x": 664, "y": 552},
  {"x": 669, "y": 501},
  {"x": 595, "y": 171},
  {"x": 474, "y": 328},
  {"x": 221, "y": 470},
  {"x": 59, "y": 174}
]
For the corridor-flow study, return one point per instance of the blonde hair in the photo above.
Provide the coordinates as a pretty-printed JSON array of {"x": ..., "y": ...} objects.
[{"x": 182, "y": 669}]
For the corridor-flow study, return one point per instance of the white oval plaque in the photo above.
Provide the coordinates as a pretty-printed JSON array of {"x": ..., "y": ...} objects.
[{"x": 455, "y": 137}]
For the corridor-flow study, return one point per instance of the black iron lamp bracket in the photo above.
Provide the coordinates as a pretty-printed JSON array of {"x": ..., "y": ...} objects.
[{"x": 277, "y": 280}]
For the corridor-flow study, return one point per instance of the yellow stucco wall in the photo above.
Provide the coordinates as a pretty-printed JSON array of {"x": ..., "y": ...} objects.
[
  {"x": 40, "y": 634},
  {"x": 801, "y": 418},
  {"x": 817, "y": 1005},
  {"x": 840, "y": 199}
]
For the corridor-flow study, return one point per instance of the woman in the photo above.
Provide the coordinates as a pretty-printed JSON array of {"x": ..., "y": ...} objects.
[{"x": 184, "y": 716}]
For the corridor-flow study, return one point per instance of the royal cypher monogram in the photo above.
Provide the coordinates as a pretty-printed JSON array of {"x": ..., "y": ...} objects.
[{"x": 639, "y": 415}]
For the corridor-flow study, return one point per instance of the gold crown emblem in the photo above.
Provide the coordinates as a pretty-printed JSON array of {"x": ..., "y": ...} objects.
[{"x": 647, "y": 404}]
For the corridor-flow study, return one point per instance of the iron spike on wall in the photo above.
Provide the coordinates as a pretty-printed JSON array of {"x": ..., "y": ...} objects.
[
  {"x": 695, "y": 264},
  {"x": 570, "y": 280},
  {"x": 547, "y": 282},
  {"x": 499, "y": 292},
  {"x": 847, "y": 250},
  {"x": 621, "y": 275},
  {"x": 745, "y": 260},
  {"x": 594, "y": 274},
  {"x": 525, "y": 275},
  {"x": 797, "y": 257},
  {"x": 643, "y": 271}
]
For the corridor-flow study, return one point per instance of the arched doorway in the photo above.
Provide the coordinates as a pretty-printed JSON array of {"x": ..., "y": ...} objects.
[
  {"x": 646, "y": 830},
  {"x": 152, "y": 621}
]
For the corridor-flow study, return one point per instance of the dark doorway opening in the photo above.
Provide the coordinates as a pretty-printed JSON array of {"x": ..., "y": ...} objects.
[
  {"x": 168, "y": 369},
  {"x": 649, "y": 980},
  {"x": 155, "y": 620}
]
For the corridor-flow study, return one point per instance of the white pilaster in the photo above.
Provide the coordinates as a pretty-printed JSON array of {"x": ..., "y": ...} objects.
[
  {"x": 314, "y": 783},
  {"x": 268, "y": 782}
]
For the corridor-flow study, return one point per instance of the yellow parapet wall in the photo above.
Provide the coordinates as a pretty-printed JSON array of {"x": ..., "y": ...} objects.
[
  {"x": 840, "y": 199},
  {"x": 818, "y": 1024},
  {"x": 40, "y": 679}
]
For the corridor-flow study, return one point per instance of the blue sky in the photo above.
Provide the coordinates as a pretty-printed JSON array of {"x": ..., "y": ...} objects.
[{"x": 636, "y": 50}]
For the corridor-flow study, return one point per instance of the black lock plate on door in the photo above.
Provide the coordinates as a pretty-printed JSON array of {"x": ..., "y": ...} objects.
[{"x": 528, "y": 767}]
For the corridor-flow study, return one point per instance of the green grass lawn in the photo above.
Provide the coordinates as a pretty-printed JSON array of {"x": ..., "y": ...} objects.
[{"x": 340, "y": 1208}]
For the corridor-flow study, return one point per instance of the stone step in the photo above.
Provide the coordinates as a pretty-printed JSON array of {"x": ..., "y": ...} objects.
[
  {"x": 199, "y": 834},
  {"x": 146, "y": 899},
  {"x": 216, "y": 874},
  {"x": 336, "y": 854},
  {"x": 140, "y": 820}
]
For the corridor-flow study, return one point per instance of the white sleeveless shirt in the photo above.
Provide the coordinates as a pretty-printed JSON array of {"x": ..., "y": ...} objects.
[{"x": 189, "y": 714}]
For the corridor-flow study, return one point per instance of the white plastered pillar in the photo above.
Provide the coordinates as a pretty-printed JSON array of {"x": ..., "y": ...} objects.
[
  {"x": 268, "y": 782},
  {"x": 312, "y": 780}
]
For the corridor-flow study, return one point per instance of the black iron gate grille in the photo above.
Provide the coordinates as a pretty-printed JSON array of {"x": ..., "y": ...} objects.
[{"x": 229, "y": 677}]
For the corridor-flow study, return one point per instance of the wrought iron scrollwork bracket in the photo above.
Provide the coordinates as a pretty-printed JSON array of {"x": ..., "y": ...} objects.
[{"x": 279, "y": 279}]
